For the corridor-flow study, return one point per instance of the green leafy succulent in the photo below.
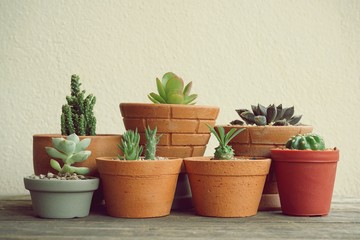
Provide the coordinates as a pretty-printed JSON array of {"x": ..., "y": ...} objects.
[
  {"x": 171, "y": 91},
  {"x": 130, "y": 145},
  {"x": 70, "y": 150},
  {"x": 308, "y": 141},
  {"x": 151, "y": 141},
  {"x": 224, "y": 151},
  {"x": 271, "y": 115}
]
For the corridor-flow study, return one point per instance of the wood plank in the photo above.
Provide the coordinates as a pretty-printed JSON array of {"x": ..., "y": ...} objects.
[{"x": 17, "y": 222}]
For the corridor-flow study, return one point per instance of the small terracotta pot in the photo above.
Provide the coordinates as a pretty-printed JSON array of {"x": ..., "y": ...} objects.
[
  {"x": 257, "y": 141},
  {"x": 226, "y": 188},
  {"x": 184, "y": 134},
  {"x": 138, "y": 189},
  {"x": 101, "y": 145},
  {"x": 305, "y": 180}
]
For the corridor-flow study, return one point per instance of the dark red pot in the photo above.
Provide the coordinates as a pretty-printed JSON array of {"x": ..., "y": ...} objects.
[{"x": 305, "y": 180}]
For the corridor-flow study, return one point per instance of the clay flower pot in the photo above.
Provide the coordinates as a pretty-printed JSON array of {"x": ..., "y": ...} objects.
[
  {"x": 257, "y": 141},
  {"x": 226, "y": 188},
  {"x": 305, "y": 180},
  {"x": 61, "y": 198},
  {"x": 101, "y": 145},
  {"x": 184, "y": 130},
  {"x": 138, "y": 189}
]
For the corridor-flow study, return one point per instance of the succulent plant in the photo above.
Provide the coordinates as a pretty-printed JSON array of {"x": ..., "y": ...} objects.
[
  {"x": 171, "y": 91},
  {"x": 308, "y": 141},
  {"x": 271, "y": 115},
  {"x": 77, "y": 115},
  {"x": 70, "y": 150},
  {"x": 224, "y": 151},
  {"x": 151, "y": 141},
  {"x": 130, "y": 145}
]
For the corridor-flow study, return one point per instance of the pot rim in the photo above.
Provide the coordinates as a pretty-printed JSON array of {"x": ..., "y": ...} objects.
[
  {"x": 294, "y": 155},
  {"x": 88, "y": 136},
  {"x": 166, "y": 104},
  {"x": 266, "y": 126},
  {"x": 241, "y": 158}
]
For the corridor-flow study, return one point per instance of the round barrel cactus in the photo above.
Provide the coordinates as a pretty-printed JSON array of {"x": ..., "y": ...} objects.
[{"x": 308, "y": 141}]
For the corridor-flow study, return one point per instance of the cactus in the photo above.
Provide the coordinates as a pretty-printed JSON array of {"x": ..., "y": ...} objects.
[
  {"x": 130, "y": 145},
  {"x": 224, "y": 151},
  {"x": 171, "y": 90},
  {"x": 271, "y": 115},
  {"x": 77, "y": 115},
  {"x": 151, "y": 141},
  {"x": 308, "y": 141},
  {"x": 70, "y": 151}
]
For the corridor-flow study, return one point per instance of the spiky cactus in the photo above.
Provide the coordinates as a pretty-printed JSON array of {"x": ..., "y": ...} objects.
[
  {"x": 308, "y": 141},
  {"x": 271, "y": 115},
  {"x": 77, "y": 115},
  {"x": 130, "y": 145},
  {"x": 171, "y": 90},
  {"x": 151, "y": 141},
  {"x": 224, "y": 151},
  {"x": 70, "y": 150}
]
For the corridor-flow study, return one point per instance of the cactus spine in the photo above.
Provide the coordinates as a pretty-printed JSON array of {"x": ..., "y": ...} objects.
[
  {"x": 151, "y": 141},
  {"x": 77, "y": 115},
  {"x": 309, "y": 141}
]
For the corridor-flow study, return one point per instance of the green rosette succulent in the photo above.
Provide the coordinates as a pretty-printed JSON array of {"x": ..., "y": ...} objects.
[
  {"x": 308, "y": 141},
  {"x": 224, "y": 151},
  {"x": 70, "y": 150},
  {"x": 171, "y": 91}
]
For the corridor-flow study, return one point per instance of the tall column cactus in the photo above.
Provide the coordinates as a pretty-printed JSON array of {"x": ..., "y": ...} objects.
[
  {"x": 77, "y": 115},
  {"x": 151, "y": 141}
]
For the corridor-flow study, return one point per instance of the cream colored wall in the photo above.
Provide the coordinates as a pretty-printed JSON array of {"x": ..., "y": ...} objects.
[{"x": 237, "y": 53}]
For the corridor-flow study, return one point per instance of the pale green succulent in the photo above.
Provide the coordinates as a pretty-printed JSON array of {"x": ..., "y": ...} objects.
[
  {"x": 70, "y": 150},
  {"x": 151, "y": 141},
  {"x": 171, "y": 91},
  {"x": 224, "y": 151},
  {"x": 130, "y": 145}
]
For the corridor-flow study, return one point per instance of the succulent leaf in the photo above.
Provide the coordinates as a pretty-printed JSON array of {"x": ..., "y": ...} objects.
[
  {"x": 82, "y": 145},
  {"x": 55, "y": 165},
  {"x": 262, "y": 109},
  {"x": 160, "y": 89},
  {"x": 156, "y": 98},
  {"x": 73, "y": 137},
  {"x": 189, "y": 99},
  {"x": 295, "y": 120},
  {"x": 271, "y": 114},
  {"x": 255, "y": 110},
  {"x": 187, "y": 89},
  {"x": 289, "y": 112},
  {"x": 260, "y": 120},
  {"x": 55, "y": 153},
  {"x": 79, "y": 170},
  {"x": 248, "y": 117},
  {"x": 78, "y": 157}
]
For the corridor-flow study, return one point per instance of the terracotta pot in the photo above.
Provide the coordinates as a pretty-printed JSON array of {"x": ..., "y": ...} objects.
[
  {"x": 184, "y": 134},
  {"x": 101, "y": 145},
  {"x": 257, "y": 141},
  {"x": 226, "y": 188},
  {"x": 61, "y": 198},
  {"x": 138, "y": 189},
  {"x": 305, "y": 180}
]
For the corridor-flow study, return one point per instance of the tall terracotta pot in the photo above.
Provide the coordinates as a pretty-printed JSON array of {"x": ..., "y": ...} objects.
[
  {"x": 184, "y": 130},
  {"x": 226, "y": 188},
  {"x": 138, "y": 189},
  {"x": 305, "y": 180},
  {"x": 257, "y": 141}
]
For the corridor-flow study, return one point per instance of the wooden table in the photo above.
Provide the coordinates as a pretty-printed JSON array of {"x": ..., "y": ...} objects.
[{"x": 17, "y": 222}]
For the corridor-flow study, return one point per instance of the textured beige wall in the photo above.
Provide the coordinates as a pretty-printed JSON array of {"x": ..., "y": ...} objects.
[{"x": 237, "y": 53}]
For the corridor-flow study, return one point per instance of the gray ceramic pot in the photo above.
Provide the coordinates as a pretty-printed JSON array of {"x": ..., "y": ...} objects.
[{"x": 61, "y": 198}]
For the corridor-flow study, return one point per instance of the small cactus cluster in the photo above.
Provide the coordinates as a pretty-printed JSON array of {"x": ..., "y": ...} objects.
[
  {"x": 131, "y": 148},
  {"x": 308, "y": 141},
  {"x": 77, "y": 115},
  {"x": 171, "y": 91},
  {"x": 271, "y": 115},
  {"x": 70, "y": 150},
  {"x": 224, "y": 151}
]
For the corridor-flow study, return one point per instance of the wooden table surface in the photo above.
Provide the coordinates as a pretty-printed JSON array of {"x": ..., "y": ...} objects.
[{"x": 18, "y": 222}]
